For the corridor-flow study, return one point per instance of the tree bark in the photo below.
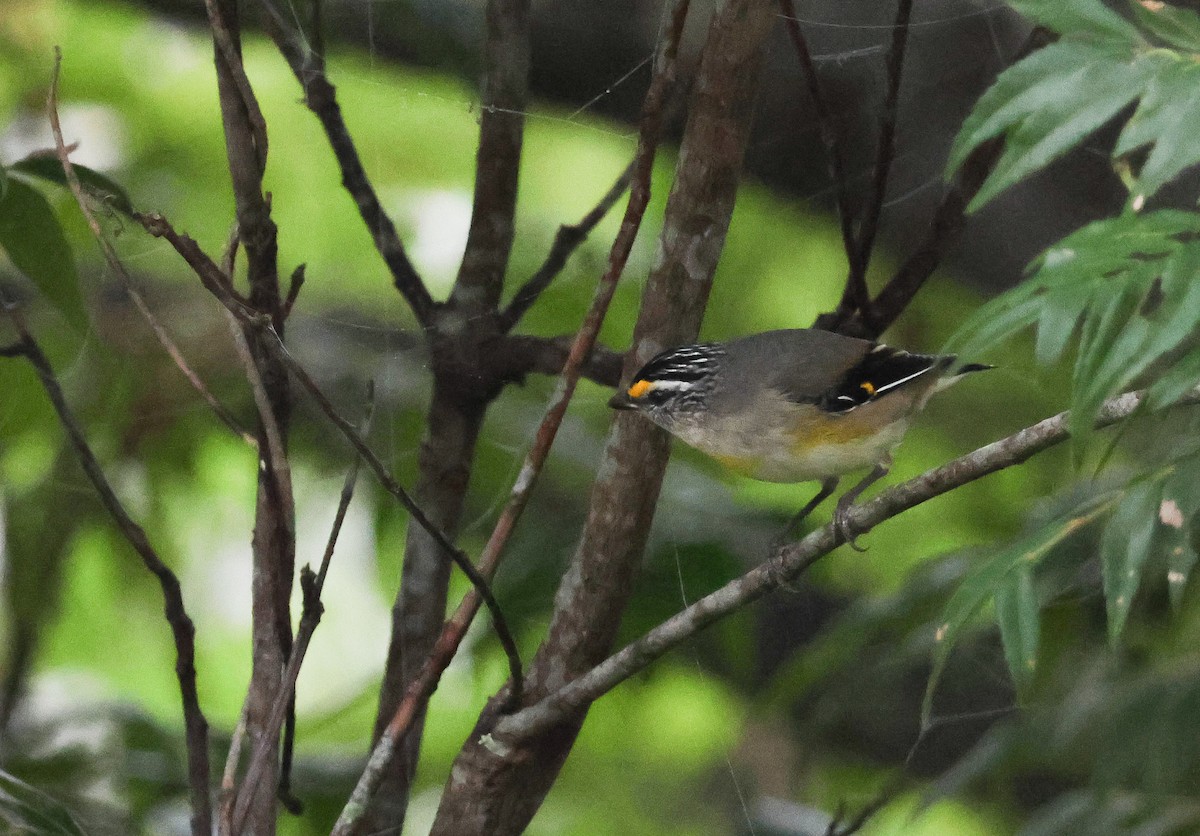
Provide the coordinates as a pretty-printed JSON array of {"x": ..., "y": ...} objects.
[
  {"x": 497, "y": 791},
  {"x": 447, "y": 456}
]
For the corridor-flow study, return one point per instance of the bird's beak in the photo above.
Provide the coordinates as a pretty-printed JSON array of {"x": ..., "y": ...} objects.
[{"x": 621, "y": 400}]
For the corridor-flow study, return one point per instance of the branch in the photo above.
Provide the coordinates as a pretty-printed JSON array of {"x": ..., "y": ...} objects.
[
  {"x": 452, "y": 634},
  {"x": 182, "y": 629},
  {"x": 110, "y": 255},
  {"x": 790, "y": 560},
  {"x": 835, "y": 156},
  {"x": 566, "y": 241},
  {"x": 498, "y": 158},
  {"x": 489, "y": 793},
  {"x": 320, "y": 96},
  {"x": 522, "y": 354},
  {"x": 856, "y": 295},
  {"x": 948, "y": 221},
  {"x": 311, "y": 585},
  {"x": 211, "y": 276},
  {"x": 947, "y": 224}
]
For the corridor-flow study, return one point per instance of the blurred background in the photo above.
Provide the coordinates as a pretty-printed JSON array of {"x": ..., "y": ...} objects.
[{"x": 807, "y": 701}]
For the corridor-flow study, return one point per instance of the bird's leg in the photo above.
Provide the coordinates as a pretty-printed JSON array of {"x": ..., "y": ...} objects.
[
  {"x": 841, "y": 512},
  {"x": 827, "y": 488}
]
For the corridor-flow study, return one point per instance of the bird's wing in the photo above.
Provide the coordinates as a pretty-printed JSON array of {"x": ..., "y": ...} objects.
[{"x": 881, "y": 371}]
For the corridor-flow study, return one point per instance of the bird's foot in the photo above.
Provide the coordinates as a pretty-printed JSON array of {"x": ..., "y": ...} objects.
[{"x": 841, "y": 523}]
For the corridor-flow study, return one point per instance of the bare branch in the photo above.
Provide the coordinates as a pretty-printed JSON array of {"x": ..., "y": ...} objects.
[
  {"x": 311, "y": 584},
  {"x": 498, "y": 158},
  {"x": 490, "y": 794},
  {"x": 182, "y": 629},
  {"x": 947, "y": 224},
  {"x": 447, "y": 644},
  {"x": 320, "y": 97},
  {"x": 522, "y": 354},
  {"x": 229, "y": 775},
  {"x": 566, "y": 241},
  {"x": 228, "y": 51},
  {"x": 211, "y": 276},
  {"x": 856, "y": 295},
  {"x": 835, "y": 156},
  {"x": 110, "y": 256},
  {"x": 793, "y": 559},
  {"x": 181, "y": 625}
]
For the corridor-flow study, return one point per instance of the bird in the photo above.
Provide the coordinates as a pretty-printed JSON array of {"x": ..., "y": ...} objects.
[{"x": 795, "y": 405}]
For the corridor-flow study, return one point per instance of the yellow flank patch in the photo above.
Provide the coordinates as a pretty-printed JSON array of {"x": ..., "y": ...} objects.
[
  {"x": 745, "y": 466},
  {"x": 833, "y": 429},
  {"x": 638, "y": 389},
  {"x": 868, "y": 387}
]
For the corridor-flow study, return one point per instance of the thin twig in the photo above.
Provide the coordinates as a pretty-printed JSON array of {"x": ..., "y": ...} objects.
[
  {"x": 566, "y": 241},
  {"x": 311, "y": 584},
  {"x": 947, "y": 224},
  {"x": 182, "y": 628},
  {"x": 229, "y": 776},
  {"x": 164, "y": 339},
  {"x": 835, "y": 157},
  {"x": 452, "y": 634},
  {"x": 211, "y": 277},
  {"x": 869, "y": 811},
  {"x": 856, "y": 295},
  {"x": 797, "y": 557},
  {"x": 320, "y": 97}
]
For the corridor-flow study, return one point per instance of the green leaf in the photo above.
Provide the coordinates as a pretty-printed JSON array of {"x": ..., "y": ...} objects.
[
  {"x": 1087, "y": 18},
  {"x": 1034, "y": 83},
  {"x": 26, "y": 809},
  {"x": 1170, "y": 24},
  {"x": 1124, "y": 549},
  {"x": 1183, "y": 377},
  {"x": 1085, "y": 101},
  {"x": 1166, "y": 117},
  {"x": 98, "y": 185},
  {"x": 31, "y": 235},
  {"x": 1026, "y": 551},
  {"x": 1061, "y": 311},
  {"x": 1019, "y": 619},
  {"x": 3, "y": 181},
  {"x": 1130, "y": 287}
]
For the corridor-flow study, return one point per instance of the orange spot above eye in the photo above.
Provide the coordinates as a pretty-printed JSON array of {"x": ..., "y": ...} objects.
[
  {"x": 868, "y": 387},
  {"x": 638, "y": 389}
]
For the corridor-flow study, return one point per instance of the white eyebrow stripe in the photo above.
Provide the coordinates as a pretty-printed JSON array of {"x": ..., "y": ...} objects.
[{"x": 669, "y": 384}]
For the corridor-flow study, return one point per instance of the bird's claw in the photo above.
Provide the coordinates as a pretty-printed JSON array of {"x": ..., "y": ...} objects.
[{"x": 841, "y": 524}]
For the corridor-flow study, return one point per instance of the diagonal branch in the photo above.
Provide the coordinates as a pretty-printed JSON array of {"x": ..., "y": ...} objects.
[
  {"x": 566, "y": 241},
  {"x": 110, "y": 256},
  {"x": 856, "y": 295},
  {"x": 797, "y": 557},
  {"x": 182, "y": 629},
  {"x": 455, "y": 629},
  {"x": 211, "y": 277},
  {"x": 835, "y": 155},
  {"x": 320, "y": 96},
  {"x": 312, "y": 585},
  {"x": 947, "y": 224}
]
